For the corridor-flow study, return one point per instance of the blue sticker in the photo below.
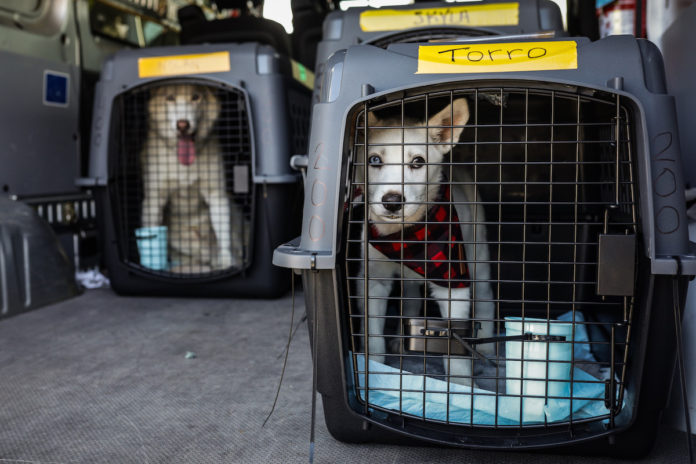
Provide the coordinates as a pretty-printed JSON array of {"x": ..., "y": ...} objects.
[{"x": 56, "y": 87}]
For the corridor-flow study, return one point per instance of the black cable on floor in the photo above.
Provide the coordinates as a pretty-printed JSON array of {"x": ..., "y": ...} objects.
[
  {"x": 292, "y": 337},
  {"x": 682, "y": 369},
  {"x": 287, "y": 350},
  {"x": 315, "y": 342}
]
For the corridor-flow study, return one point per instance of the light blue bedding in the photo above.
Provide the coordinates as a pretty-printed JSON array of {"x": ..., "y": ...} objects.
[{"x": 396, "y": 390}]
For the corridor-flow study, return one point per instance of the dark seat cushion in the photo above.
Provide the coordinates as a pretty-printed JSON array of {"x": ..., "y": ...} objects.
[{"x": 196, "y": 30}]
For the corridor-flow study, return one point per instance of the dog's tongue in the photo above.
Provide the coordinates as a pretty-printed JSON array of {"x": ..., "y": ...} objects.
[{"x": 186, "y": 150}]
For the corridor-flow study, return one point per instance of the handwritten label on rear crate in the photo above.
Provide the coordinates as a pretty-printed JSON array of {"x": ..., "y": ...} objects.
[
  {"x": 497, "y": 14},
  {"x": 497, "y": 57},
  {"x": 176, "y": 65}
]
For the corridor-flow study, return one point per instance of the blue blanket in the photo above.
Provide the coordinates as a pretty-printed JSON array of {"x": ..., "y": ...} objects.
[
  {"x": 403, "y": 391},
  {"x": 390, "y": 388}
]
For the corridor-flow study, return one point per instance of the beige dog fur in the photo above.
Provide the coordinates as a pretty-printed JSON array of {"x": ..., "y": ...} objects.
[{"x": 204, "y": 225}]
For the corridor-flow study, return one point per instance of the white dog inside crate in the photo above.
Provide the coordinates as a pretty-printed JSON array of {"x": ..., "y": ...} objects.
[
  {"x": 407, "y": 184},
  {"x": 184, "y": 181}
]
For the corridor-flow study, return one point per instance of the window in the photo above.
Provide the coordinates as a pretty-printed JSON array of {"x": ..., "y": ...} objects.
[{"x": 135, "y": 22}]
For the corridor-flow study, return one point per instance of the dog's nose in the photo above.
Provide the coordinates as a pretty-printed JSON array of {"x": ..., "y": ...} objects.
[
  {"x": 393, "y": 201},
  {"x": 183, "y": 125}
]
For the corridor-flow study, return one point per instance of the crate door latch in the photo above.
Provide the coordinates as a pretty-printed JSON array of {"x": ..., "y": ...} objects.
[{"x": 616, "y": 262}]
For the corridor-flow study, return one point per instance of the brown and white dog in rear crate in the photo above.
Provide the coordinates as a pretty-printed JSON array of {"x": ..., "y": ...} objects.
[{"x": 184, "y": 180}]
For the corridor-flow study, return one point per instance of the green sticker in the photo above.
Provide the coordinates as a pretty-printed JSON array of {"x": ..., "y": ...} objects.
[{"x": 302, "y": 74}]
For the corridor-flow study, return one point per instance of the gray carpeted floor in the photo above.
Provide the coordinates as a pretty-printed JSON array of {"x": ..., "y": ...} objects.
[{"x": 103, "y": 378}]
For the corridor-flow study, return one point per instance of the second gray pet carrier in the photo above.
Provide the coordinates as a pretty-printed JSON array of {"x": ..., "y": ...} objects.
[
  {"x": 190, "y": 151},
  {"x": 433, "y": 21},
  {"x": 494, "y": 241}
]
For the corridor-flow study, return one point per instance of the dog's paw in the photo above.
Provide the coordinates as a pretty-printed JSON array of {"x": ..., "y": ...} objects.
[
  {"x": 463, "y": 381},
  {"x": 487, "y": 330},
  {"x": 486, "y": 349},
  {"x": 224, "y": 259}
]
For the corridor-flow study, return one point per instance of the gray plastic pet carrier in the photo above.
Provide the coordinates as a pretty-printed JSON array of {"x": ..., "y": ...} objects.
[
  {"x": 433, "y": 21},
  {"x": 190, "y": 151},
  {"x": 492, "y": 239}
]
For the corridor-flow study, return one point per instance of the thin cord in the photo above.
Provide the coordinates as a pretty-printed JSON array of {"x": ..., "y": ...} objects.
[
  {"x": 682, "y": 369},
  {"x": 315, "y": 342},
  {"x": 292, "y": 337},
  {"x": 287, "y": 350}
]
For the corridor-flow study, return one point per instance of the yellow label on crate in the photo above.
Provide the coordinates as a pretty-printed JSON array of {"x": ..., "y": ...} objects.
[
  {"x": 303, "y": 75},
  {"x": 497, "y": 57},
  {"x": 498, "y": 14},
  {"x": 176, "y": 65}
]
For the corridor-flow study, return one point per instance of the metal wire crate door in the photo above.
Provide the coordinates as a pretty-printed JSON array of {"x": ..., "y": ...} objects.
[
  {"x": 474, "y": 221},
  {"x": 183, "y": 187}
]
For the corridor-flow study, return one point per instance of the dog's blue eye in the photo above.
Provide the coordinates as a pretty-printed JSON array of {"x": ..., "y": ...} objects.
[
  {"x": 417, "y": 162},
  {"x": 375, "y": 160},
  {"x": 171, "y": 98},
  {"x": 195, "y": 97}
]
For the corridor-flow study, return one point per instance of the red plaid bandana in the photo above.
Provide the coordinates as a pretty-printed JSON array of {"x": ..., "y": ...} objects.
[{"x": 435, "y": 239}]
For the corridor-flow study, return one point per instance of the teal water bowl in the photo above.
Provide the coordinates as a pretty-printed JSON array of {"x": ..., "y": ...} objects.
[{"x": 152, "y": 247}]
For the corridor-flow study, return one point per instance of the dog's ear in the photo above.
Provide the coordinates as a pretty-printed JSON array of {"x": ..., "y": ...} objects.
[
  {"x": 359, "y": 125},
  {"x": 159, "y": 90},
  {"x": 211, "y": 110},
  {"x": 156, "y": 100},
  {"x": 446, "y": 126},
  {"x": 372, "y": 120}
]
